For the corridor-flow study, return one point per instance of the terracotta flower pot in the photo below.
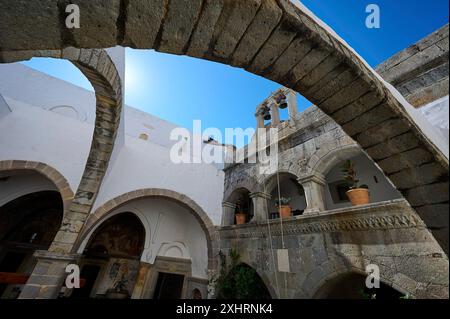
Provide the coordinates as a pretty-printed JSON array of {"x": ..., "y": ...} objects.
[
  {"x": 359, "y": 196},
  {"x": 241, "y": 219},
  {"x": 285, "y": 211}
]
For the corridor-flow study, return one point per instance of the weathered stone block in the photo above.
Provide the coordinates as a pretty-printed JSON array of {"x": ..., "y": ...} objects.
[
  {"x": 181, "y": 19},
  {"x": 320, "y": 72},
  {"x": 416, "y": 176},
  {"x": 98, "y": 27},
  {"x": 232, "y": 25},
  {"x": 307, "y": 65},
  {"x": 393, "y": 146},
  {"x": 203, "y": 34},
  {"x": 37, "y": 22},
  {"x": 348, "y": 94},
  {"x": 257, "y": 33},
  {"x": 278, "y": 42},
  {"x": 296, "y": 51},
  {"x": 358, "y": 107},
  {"x": 428, "y": 194},
  {"x": 369, "y": 119},
  {"x": 338, "y": 83},
  {"x": 382, "y": 132},
  {"x": 408, "y": 159},
  {"x": 143, "y": 22}
]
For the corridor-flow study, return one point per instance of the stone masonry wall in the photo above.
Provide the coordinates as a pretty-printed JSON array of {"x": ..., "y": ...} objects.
[
  {"x": 390, "y": 235},
  {"x": 420, "y": 72}
]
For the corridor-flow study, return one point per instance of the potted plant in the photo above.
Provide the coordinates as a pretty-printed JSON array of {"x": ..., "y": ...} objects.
[
  {"x": 241, "y": 217},
  {"x": 358, "y": 194},
  {"x": 284, "y": 208},
  {"x": 119, "y": 291}
]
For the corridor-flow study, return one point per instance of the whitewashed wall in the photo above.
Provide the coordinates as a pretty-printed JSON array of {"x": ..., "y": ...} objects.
[
  {"x": 170, "y": 231},
  {"x": 36, "y": 131},
  {"x": 22, "y": 184}
]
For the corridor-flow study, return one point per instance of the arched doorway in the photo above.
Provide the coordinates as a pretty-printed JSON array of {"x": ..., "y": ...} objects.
[
  {"x": 288, "y": 189},
  {"x": 244, "y": 205},
  {"x": 367, "y": 173},
  {"x": 353, "y": 286},
  {"x": 110, "y": 261},
  {"x": 27, "y": 224},
  {"x": 243, "y": 282}
]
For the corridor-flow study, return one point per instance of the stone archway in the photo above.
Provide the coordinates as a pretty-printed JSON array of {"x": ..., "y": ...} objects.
[
  {"x": 49, "y": 172},
  {"x": 28, "y": 223},
  {"x": 328, "y": 156},
  {"x": 200, "y": 215},
  {"x": 99, "y": 69},
  {"x": 316, "y": 281},
  {"x": 251, "y": 285},
  {"x": 351, "y": 285},
  {"x": 290, "y": 188},
  {"x": 111, "y": 258}
]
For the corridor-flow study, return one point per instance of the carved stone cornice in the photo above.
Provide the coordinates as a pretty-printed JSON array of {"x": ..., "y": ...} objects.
[{"x": 392, "y": 215}]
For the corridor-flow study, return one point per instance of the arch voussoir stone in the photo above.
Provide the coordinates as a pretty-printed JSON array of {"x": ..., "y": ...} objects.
[{"x": 49, "y": 172}]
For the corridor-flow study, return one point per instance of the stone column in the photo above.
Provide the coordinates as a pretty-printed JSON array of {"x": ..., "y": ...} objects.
[
  {"x": 275, "y": 115},
  {"x": 48, "y": 275},
  {"x": 292, "y": 103},
  {"x": 139, "y": 286},
  {"x": 314, "y": 187},
  {"x": 259, "y": 119},
  {"x": 228, "y": 210},
  {"x": 260, "y": 206}
]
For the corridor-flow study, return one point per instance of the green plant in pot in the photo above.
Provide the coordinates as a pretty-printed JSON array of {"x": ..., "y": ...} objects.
[
  {"x": 119, "y": 291},
  {"x": 284, "y": 207},
  {"x": 358, "y": 194}
]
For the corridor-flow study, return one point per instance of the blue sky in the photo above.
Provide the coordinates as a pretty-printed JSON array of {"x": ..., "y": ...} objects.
[{"x": 182, "y": 89}]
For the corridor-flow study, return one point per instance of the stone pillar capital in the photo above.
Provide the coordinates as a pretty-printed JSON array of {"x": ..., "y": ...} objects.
[
  {"x": 314, "y": 187},
  {"x": 316, "y": 178},
  {"x": 55, "y": 256},
  {"x": 260, "y": 195},
  {"x": 228, "y": 205}
]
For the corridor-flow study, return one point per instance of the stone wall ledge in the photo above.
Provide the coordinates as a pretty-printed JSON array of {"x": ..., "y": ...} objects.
[{"x": 394, "y": 214}]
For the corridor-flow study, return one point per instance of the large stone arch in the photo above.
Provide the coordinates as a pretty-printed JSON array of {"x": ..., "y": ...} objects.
[
  {"x": 248, "y": 183},
  {"x": 278, "y": 40},
  {"x": 265, "y": 278},
  {"x": 45, "y": 170},
  {"x": 397, "y": 276},
  {"x": 108, "y": 208},
  {"x": 316, "y": 279},
  {"x": 321, "y": 288},
  {"x": 329, "y": 156},
  {"x": 270, "y": 182},
  {"x": 99, "y": 69}
]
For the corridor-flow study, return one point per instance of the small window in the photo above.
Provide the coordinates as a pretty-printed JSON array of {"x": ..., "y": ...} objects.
[{"x": 144, "y": 137}]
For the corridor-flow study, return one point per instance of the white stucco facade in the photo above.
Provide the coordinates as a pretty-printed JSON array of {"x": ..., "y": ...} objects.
[{"x": 48, "y": 120}]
